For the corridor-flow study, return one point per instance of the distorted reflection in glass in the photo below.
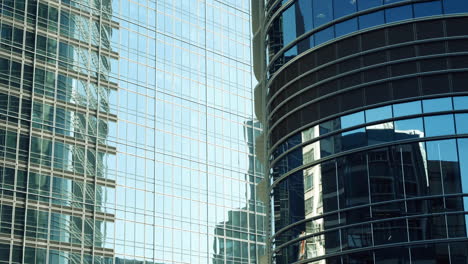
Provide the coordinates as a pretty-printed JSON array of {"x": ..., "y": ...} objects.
[{"x": 443, "y": 166}]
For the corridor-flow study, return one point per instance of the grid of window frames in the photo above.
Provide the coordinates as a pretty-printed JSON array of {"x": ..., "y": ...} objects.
[{"x": 127, "y": 133}]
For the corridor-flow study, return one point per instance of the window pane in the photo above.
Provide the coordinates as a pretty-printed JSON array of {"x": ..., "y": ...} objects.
[
  {"x": 371, "y": 20},
  {"x": 439, "y": 125},
  {"x": 437, "y": 105},
  {"x": 460, "y": 103},
  {"x": 366, "y": 4},
  {"x": 352, "y": 120},
  {"x": 398, "y": 13},
  {"x": 378, "y": 114},
  {"x": 409, "y": 128},
  {"x": 322, "y": 12},
  {"x": 404, "y": 109},
  {"x": 427, "y": 9},
  {"x": 455, "y": 6},
  {"x": 343, "y": 7}
]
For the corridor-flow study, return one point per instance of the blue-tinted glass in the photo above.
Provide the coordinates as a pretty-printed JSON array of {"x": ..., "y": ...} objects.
[
  {"x": 439, "y": 125},
  {"x": 437, "y": 105},
  {"x": 352, "y": 120},
  {"x": 291, "y": 53},
  {"x": 398, "y": 13},
  {"x": 343, "y": 7},
  {"x": 322, "y": 12},
  {"x": 289, "y": 25},
  {"x": 405, "y": 109},
  {"x": 378, "y": 113},
  {"x": 366, "y": 4},
  {"x": 353, "y": 139},
  {"x": 427, "y": 9},
  {"x": 346, "y": 27},
  {"x": 460, "y": 103},
  {"x": 371, "y": 20},
  {"x": 461, "y": 123},
  {"x": 463, "y": 153},
  {"x": 409, "y": 128},
  {"x": 304, "y": 18},
  {"x": 455, "y": 6},
  {"x": 323, "y": 36}
]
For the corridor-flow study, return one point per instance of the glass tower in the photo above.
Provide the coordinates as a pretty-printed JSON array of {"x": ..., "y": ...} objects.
[
  {"x": 127, "y": 133},
  {"x": 365, "y": 105}
]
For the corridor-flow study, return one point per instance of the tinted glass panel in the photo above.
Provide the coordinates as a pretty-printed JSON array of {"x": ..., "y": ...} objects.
[
  {"x": 437, "y": 105},
  {"x": 370, "y": 20},
  {"x": 352, "y": 120},
  {"x": 460, "y": 103},
  {"x": 378, "y": 113},
  {"x": 366, "y": 4},
  {"x": 404, "y": 109},
  {"x": 323, "y": 12},
  {"x": 399, "y": 13},
  {"x": 343, "y": 7},
  {"x": 461, "y": 123},
  {"x": 455, "y": 6},
  {"x": 463, "y": 152},
  {"x": 427, "y": 9},
  {"x": 439, "y": 125}
]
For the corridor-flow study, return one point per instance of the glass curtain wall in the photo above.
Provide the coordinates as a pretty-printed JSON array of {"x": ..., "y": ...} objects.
[{"x": 127, "y": 132}]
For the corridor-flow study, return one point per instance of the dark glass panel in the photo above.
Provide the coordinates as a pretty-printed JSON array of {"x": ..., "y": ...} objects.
[
  {"x": 427, "y": 228},
  {"x": 459, "y": 82},
  {"x": 456, "y": 26},
  {"x": 329, "y": 186},
  {"x": 356, "y": 237},
  {"x": 431, "y": 48},
  {"x": 436, "y": 64},
  {"x": 442, "y": 163},
  {"x": 436, "y": 84},
  {"x": 352, "y": 169},
  {"x": 386, "y": 182},
  {"x": 425, "y": 206},
  {"x": 378, "y": 93},
  {"x": 402, "y": 52},
  {"x": 352, "y": 99},
  {"x": 355, "y": 216},
  {"x": 397, "y": 255},
  {"x": 404, "y": 68},
  {"x": 459, "y": 253},
  {"x": 390, "y": 232},
  {"x": 405, "y": 88},
  {"x": 430, "y": 254},
  {"x": 457, "y": 225},
  {"x": 430, "y": 29},
  {"x": 365, "y": 257},
  {"x": 463, "y": 157}
]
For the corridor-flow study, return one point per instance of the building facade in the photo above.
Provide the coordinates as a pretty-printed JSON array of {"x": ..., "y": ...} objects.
[
  {"x": 127, "y": 133},
  {"x": 365, "y": 109}
]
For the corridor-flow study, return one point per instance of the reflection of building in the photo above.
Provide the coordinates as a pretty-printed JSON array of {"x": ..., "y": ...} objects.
[
  {"x": 365, "y": 129},
  {"x": 231, "y": 243},
  {"x": 55, "y": 113},
  {"x": 120, "y": 125}
]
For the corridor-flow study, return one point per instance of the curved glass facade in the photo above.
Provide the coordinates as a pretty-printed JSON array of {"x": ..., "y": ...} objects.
[
  {"x": 366, "y": 105},
  {"x": 127, "y": 133},
  {"x": 303, "y": 24}
]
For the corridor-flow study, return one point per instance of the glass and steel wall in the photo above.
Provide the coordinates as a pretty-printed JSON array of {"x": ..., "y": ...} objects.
[
  {"x": 127, "y": 133},
  {"x": 365, "y": 105}
]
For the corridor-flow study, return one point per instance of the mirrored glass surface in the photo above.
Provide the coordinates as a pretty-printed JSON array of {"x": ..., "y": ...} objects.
[
  {"x": 404, "y": 109},
  {"x": 460, "y": 102},
  {"x": 437, "y": 105},
  {"x": 439, "y": 125},
  {"x": 352, "y": 120},
  {"x": 379, "y": 113}
]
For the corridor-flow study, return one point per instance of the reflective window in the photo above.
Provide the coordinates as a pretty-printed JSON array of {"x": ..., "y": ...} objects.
[
  {"x": 346, "y": 27},
  {"x": 371, "y": 20},
  {"x": 437, "y": 105},
  {"x": 409, "y": 128},
  {"x": 343, "y": 7},
  {"x": 398, "y": 13},
  {"x": 460, "y": 103},
  {"x": 442, "y": 165},
  {"x": 463, "y": 153},
  {"x": 455, "y": 6},
  {"x": 323, "y": 12},
  {"x": 439, "y": 125},
  {"x": 427, "y": 9},
  {"x": 352, "y": 120},
  {"x": 404, "y": 109},
  {"x": 461, "y": 123},
  {"x": 366, "y": 4},
  {"x": 380, "y": 113}
]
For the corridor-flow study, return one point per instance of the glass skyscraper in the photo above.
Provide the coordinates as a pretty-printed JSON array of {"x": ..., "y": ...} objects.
[
  {"x": 365, "y": 107},
  {"x": 127, "y": 133}
]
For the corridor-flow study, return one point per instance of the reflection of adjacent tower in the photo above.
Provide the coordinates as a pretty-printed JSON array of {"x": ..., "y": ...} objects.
[
  {"x": 60, "y": 129},
  {"x": 230, "y": 244}
]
